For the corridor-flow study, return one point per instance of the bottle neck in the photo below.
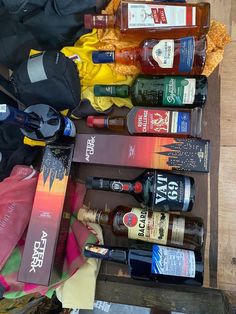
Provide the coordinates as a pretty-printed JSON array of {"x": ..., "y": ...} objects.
[
  {"x": 105, "y": 122},
  {"x": 103, "y": 252},
  {"x": 22, "y": 119},
  {"x": 122, "y": 91},
  {"x": 99, "y": 21},
  {"x": 93, "y": 216},
  {"x": 121, "y": 186},
  {"x": 127, "y": 56}
]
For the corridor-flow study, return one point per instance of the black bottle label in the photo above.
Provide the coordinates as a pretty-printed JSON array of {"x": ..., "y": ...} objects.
[{"x": 170, "y": 192}]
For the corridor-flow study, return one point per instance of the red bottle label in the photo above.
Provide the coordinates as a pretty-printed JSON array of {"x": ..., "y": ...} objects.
[{"x": 152, "y": 121}]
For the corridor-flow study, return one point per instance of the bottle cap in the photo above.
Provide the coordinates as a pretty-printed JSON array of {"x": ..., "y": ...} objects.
[
  {"x": 90, "y": 120},
  {"x": 96, "y": 122},
  {"x": 104, "y": 56},
  {"x": 88, "y": 21},
  {"x": 89, "y": 183},
  {"x": 99, "y": 90}
]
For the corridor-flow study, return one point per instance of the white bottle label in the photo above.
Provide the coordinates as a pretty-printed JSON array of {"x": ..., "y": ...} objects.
[
  {"x": 163, "y": 53},
  {"x": 70, "y": 129},
  {"x": 189, "y": 91},
  {"x": 151, "y": 15},
  {"x": 173, "y": 262},
  {"x": 147, "y": 225},
  {"x": 178, "y": 228}
]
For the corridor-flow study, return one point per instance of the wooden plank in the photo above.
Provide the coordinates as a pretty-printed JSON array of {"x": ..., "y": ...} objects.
[
  {"x": 206, "y": 188},
  {"x": 228, "y": 96},
  {"x": 227, "y": 220},
  {"x": 221, "y": 11},
  {"x": 191, "y": 300}
]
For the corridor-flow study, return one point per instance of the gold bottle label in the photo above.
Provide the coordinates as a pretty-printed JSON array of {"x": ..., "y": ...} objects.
[
  {"x": 147, "y": 226},
  {"x": 86, "y": 214},
  {"x": 178, "y": 229}
]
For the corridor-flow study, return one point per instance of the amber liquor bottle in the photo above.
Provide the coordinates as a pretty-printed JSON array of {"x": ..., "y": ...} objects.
[
  {"x": 153, "y": 189},
  {"x": 183, "y": 56},
  {"x": 157, "y": 20},
  {"x": 161, "y": 91},
  {"x": 144, "y": 225},
  {"x": 152, "y": 121},
  {"x": 160, "y": 263}
]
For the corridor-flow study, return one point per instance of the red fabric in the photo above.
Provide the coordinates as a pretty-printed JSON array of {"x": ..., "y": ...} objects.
[{"x": 16, "y": 200}]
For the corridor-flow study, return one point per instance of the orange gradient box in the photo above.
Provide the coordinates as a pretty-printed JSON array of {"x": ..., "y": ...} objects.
[
  {"x": 43, "y": 254},
  {"x": 165, "y": 153}
]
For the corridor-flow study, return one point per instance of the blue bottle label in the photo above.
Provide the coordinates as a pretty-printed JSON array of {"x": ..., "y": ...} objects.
[
  {"x": 70, "y": 129},
  {"x": 187, "y": 51},
  {"x": 180, "y": 122},
  {"x": 173, "y": 262}
]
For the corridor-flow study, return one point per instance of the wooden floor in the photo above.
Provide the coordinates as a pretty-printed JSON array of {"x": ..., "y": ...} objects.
[{"x": 225, "y": 11}]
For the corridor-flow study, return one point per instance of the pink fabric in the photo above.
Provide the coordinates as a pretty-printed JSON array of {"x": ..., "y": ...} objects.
[{"x": 16, "y": 200}]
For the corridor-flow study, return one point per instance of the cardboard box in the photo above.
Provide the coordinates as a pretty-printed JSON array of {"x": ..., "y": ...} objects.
[
  {"x": 143, "y": 152},
  {"x": 44, "y": 253}
]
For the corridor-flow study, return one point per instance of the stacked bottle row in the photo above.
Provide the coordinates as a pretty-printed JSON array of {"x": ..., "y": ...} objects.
[{"x": 171, "y": 58}]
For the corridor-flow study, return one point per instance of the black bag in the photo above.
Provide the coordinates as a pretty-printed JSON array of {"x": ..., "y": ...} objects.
[
  {"x": 39, "y": 25},
  {"x": 48, "y": 78}
]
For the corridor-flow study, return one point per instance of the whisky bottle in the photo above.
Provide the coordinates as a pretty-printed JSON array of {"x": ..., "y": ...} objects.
[
  {"x": 161, "y": 263},
  {"x": 184, "y": 56},
  {"x": 155, "y": 227},
  {"x": 38, "y": 122},
  {"x": 153, "y": 90},
  {"x": 156, "y": 190},
  {"x": 152, "y": 121},
  {"x": 158, "y": 20}
]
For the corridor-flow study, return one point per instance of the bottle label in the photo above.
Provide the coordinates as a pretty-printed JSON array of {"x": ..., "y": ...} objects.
[
  {"x": 180, "y": 122},
  {"x": 149, "y": 15},
  {"x": 178, "y": 91},
  {"x": 147, "y": 226},
  {"x": 70, "y": 129},
  {"x": 187, "y": 52},
  {"x": 88, "y": 215},
  {"x": 171, "y": 192},
  {"x": 163, "y": 53},
  {"x": 152, "y": 121},
  {"x": 178, "y": 228},
  {"x": 173, "y": 262}
]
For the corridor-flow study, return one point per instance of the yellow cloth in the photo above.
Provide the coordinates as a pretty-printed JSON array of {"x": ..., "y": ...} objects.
[
  {"x": 91, "y": 73},
  {"x": 79, "y": 290}
]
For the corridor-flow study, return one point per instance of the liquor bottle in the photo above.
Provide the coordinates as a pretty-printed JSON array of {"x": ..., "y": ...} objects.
[
  {"x": 158, "y": 20},
  {"x": 153, "y": 90},
  {"x": 156, "y": 190},
  {"x": 38, "y": 122},
  {"x": 184, "y": 56},
  {"x": 155, "y": 227},
  {"x": 181, "y": 123},
  {"x": 162, "y": 263}
]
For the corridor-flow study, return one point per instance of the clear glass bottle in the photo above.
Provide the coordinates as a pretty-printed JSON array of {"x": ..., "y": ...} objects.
[
  {"x": 184, "y": 56},
  {"x": 155, "y": 227},
  {"x": 157, "y": 20},
  {"x": 152, "y": 121}
]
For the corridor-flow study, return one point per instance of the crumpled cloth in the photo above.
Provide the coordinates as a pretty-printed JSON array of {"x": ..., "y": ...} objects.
[
  {"x": 78, "y": 236},
  {"x": 79, "y": 290}
]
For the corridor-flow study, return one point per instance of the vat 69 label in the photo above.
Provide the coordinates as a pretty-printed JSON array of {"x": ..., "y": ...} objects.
[{"x": 147, "y": 226}]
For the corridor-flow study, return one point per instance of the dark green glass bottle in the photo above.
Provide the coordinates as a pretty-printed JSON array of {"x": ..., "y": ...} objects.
[{"x": 166, "y": 91}]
